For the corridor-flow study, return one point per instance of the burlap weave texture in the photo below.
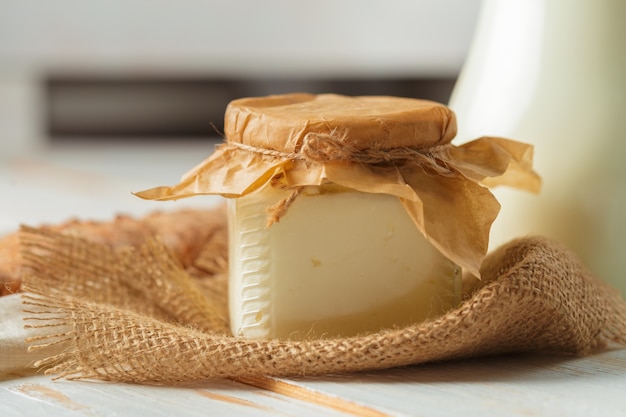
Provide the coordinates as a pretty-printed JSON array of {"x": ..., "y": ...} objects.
[{"x": 136, "y": 315}]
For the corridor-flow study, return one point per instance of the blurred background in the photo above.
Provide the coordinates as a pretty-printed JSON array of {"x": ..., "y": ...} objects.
[
  {"x": 98, "y": 99},
  {"x": 141, "y": 70}
]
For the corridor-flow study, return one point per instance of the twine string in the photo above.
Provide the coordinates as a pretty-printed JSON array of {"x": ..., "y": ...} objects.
[
  {"x": 328, "y": 147},
  {"x": 332, "y": 146}
]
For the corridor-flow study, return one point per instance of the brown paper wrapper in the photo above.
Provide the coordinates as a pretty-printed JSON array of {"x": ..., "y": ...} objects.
[{"x": 398, "y": 147}]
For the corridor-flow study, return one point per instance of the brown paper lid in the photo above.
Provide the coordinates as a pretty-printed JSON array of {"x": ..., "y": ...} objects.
[{"x": 280, "y": 122}]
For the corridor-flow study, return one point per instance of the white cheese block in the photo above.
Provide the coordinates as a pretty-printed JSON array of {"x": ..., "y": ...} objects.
[{"x": 337, "y": 264}]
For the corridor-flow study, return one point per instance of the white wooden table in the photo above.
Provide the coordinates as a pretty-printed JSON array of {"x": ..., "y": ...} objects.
[
  {"x": 512, "y": 385},
  {"x": 95, "y": 183}
]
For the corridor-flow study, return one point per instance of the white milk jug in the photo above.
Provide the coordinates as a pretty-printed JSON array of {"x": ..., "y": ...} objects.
[{"x": 553, "y": 73}]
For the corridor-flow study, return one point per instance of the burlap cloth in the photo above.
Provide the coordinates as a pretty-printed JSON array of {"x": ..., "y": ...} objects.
[{"x": 136, "y": 314}]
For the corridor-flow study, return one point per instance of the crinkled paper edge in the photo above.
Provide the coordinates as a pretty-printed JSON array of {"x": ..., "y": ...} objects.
[{"x": 454, "y": 211}]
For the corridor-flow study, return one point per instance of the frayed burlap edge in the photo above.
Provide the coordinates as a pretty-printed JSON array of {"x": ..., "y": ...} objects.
[{"x": 535, "y": 296}]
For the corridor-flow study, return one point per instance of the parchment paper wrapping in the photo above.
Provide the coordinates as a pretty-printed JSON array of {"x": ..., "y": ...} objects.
[{"x": 385, "y": 145}]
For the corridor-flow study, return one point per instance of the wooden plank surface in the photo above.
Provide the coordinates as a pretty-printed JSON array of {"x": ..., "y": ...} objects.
[
  {"x": 511, "y": 385},
  {"x": 515, "y": 385},
  {"x": 39, "y": 395}
]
